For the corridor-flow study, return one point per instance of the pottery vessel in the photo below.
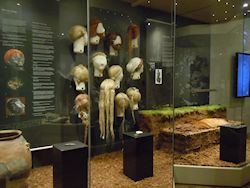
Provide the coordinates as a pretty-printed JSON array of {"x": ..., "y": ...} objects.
[{"x": 15, "y": 158}]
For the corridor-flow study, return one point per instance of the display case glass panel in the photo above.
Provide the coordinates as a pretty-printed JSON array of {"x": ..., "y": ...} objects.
[
  {"x": 96, "y": 71},
  {"x": 131, "y": 76},
  {"x": 208, "y": 113},
  {"x": 37, "y": 84}
]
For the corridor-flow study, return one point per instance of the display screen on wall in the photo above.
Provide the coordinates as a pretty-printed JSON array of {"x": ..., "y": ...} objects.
[{"x": 243, "y": 75}]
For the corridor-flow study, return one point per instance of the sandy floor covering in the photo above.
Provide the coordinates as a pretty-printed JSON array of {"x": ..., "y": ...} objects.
[
  {"x": 106, "y": 172},
  {"x": 106, "y": 169}
]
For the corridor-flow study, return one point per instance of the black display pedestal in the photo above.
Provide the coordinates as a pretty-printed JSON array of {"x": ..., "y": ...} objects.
[
  {"x": 233, "y": 143},
  {"x": 70, "y": 165},
  {"x": 2, "y": 183},
  {"x": 138, "y": 155}
]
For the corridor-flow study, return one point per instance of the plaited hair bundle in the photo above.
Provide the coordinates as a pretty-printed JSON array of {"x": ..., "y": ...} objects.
[{"x": 106, "y": 109}]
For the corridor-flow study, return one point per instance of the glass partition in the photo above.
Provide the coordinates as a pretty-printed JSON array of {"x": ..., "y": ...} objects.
[
  {"x": 131, "y": 66},
  {"x": 44, "y": 79},
  {"x": 97, "y": 71},
  {"x": 211, "y": 87},
  {"x": 37, "y": 88}
]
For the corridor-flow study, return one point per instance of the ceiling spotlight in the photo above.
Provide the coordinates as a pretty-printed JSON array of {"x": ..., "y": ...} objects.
[
  {"x": 149, "y": 23},
  {"x": 218, "y": 0},
  {"x": 245, "y": 5},
  {"x": 148, "y": 2},
  {"x": 225, "y": 18},
  {"x": 235, "y": 16},
  {"x": 245, "y": 14},
  {"x": 213, "y": 15},
  {"x": 226, "y": 3},
  {"x": 18, "y": 4},
  {"x": 225, "y": 12}
]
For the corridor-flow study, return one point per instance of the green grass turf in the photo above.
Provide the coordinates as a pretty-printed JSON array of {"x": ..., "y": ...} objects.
[{"x": 168, "y": 111}]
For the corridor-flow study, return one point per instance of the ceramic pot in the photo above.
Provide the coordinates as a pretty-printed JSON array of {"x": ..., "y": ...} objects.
[{"x": 15, "y": 158}]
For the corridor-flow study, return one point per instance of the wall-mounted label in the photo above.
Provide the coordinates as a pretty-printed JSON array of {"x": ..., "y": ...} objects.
[{"x": 158, "y": 76}]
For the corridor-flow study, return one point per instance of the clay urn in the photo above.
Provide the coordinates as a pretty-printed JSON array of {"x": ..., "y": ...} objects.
[{"x": 15, "y": 158}]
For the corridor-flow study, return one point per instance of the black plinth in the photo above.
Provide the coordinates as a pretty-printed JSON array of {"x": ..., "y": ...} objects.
[
  {"x": 233, "y": 143},
  {"x": 70, "y": 165},
  {"x": 138, "y": 155},
  {"x": 2, "y": 183}
]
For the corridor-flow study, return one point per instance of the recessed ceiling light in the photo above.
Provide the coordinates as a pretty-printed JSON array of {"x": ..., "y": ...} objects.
[
  {"x": 245, "y": 14},
  {"x": 248, "y": 11},
  {"x": 213, "y": 15},
  {"x": 233, "y": 6},
  {"x": 148, "y": 2},
  {"x": 235, "y": 16},
  {"x": 216, "y": 20},
  {"x": 225, "y": 11},
  {"x": 149, "y": 23},
  {"x": 245, "y": 5},
  {"x": 226, "y": 3},
  {"x": 218, "y": 0},
  {"x": 176, "y": 4},
  {"x": 225, "y": 18},
  {"x": 18, "y": 4}
]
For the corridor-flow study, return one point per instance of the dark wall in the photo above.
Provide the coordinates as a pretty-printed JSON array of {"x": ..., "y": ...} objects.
[
  {"x": 116, "y": 17},
  {"x": 192, "y": 69}
]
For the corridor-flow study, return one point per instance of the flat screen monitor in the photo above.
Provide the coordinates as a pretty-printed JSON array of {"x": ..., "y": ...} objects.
[{"x": 243, "y": 75}]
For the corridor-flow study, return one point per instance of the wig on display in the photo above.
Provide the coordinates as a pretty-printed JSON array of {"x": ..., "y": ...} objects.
[
  {"x": 113, "y": 43},
  {"x": 97, "y": 31},
  {"x": 133, "y": 38},
  {"x": 80, "y": 75},
  {"x": 121, "y": 103},
  {"x": 116, "y": 73},
  {"x": 99, "y": 61},
  {"x": 79, "y": 36},
  {"x": 82, "y": 108},
  {"x": 106, "y": 109},
  {"x": 134, "y": 96},
  {"x": 135, "y": 67}
]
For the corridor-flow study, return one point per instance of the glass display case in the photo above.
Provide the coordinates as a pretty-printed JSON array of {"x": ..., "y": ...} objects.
[
  {"x": 211, "y": 89},
  {"x": 93, "y": 71},
  {"x": 136, "y": 72},
  {"x": 38, "y": 89},
  {"x": 156, "y": 92}
]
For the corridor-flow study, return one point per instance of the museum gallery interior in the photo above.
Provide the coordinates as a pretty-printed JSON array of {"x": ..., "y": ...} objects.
[{"x": 124, "y": 93}]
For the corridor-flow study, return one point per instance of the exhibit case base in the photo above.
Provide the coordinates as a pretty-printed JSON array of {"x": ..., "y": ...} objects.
[{"x": 212, "y": 176}]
